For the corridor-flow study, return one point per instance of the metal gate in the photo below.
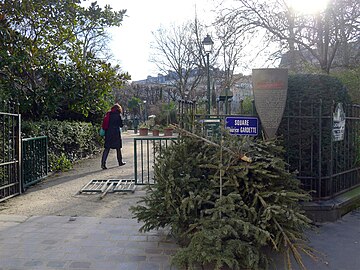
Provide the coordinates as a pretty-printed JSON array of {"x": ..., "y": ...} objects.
[
  {"x": 34, "y": 160},
  {"x": 146, "y": 149},
  {"x": 10, "y": 155}
]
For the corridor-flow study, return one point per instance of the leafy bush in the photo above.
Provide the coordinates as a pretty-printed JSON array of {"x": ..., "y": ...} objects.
[
  {"x": 167, "y": 114},
  {"x": 59, "y": 163},
  {"x": 67, "y": 141},
  {"x": 224, "y": 207},
  {"x": 351, "y": 79}
]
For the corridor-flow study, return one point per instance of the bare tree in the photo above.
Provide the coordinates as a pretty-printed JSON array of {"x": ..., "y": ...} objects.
[
  {"x": 178, "y": 53},
  {"x": 316, "y": 38},
  {"x": 232, "y": 41}
]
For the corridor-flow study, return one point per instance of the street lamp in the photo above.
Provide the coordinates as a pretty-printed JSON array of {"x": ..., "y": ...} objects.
[
  {"x": 208, "y": 45},
  {"x": 145, "y": 112}
]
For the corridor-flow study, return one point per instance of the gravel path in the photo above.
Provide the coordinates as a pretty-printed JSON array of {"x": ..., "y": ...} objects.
[{"x": 58, "y": 193}]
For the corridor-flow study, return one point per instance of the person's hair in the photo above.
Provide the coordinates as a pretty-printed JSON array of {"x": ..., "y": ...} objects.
[{"x": 117, "y": 107}]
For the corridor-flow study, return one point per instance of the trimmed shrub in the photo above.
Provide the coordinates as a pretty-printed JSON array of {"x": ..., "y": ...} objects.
[{"x": 68, "y": 141}]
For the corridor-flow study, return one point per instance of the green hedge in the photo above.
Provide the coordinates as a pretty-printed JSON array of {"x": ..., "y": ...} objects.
[
  {"x": 68, "y": 141},
  {"x": 307, "y": 128}
]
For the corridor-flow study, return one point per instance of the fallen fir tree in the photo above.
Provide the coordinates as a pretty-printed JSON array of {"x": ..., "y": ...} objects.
[{"x": 226, "y": 203}]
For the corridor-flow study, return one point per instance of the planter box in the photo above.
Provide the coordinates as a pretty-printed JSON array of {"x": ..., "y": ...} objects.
[
  {"x": 168, "y": 131},
  {"x": 143, "y": 131},
  {"x": 156, "y": 132}
]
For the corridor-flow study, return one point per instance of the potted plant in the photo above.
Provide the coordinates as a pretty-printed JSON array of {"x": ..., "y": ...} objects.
[
  {"x": 144, "y": 129},
  {"x": 156, "y": 130},
  {"x": 168, "y": 131}
]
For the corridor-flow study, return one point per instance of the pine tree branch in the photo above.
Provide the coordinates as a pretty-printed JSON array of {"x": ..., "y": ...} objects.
[{"x": 182, "y": 131}]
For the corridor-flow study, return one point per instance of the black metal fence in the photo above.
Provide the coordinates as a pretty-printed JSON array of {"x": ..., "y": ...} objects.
[
  {"x": 34, "y": 160},
  {"x": 325, "y": 166},
  {"x": 22, "y": 161},
  {"x": 10, "y": 155},
  {"x": 146, "y": 150}
]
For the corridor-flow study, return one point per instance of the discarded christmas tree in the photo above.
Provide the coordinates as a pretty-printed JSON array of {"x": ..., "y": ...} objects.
[{"x": 225, "y": 202}]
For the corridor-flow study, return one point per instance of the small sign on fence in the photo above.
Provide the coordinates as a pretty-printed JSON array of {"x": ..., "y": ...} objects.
[
  {"x": 338, "y": 123},
  {"x": 211, "y": 127},
  {"x": 242, "y": 125}
]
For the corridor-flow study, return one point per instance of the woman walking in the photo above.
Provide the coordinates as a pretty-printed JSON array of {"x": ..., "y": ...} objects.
[{"x": 111, "y": 124}]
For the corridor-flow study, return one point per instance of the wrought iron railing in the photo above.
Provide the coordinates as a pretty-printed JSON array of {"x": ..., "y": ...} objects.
[
  {"x": 324, "y": 166},
  {"x": 10, "y": 153},
  {"x": 146, "y": 150}
]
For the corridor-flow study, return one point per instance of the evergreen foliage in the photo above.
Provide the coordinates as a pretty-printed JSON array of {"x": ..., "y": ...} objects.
[
  {"x": 225, "y": 207},
  {"x": 67, "y": 141},
  {"x": 54, "y": 60}
]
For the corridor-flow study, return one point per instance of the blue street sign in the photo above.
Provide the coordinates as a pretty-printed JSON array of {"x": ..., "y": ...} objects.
[{"x": 242, "y": 125}]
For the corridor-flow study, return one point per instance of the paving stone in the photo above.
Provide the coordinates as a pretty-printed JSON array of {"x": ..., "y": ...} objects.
[
  {"x": 33, "y": 263},
  {"x": 154, "y": 250},
  {"x": 118, "y": 258},
  {"x": 138, "y": 244},
  {"x": 129, "y": 266},
  {"x": 80, "y": 265},
  {"x": 149, "y": 266},
  {"x": 56, "y": 264},
  {"x": 159, "y": 258},
  {"x": 12, "y": 262},
  {"x": 120, "y": 237},
  {"x": 135, "y": 258},
  {"x": 138, "y": 238},
  {"x": 133, "y": 251},
  {"x": 49, "y": 242}
]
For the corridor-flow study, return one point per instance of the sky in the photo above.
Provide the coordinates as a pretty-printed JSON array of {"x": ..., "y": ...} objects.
[{"x": 130, "y": 43}]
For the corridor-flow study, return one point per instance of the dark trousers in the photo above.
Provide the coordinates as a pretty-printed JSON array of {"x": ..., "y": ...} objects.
[{"x": 106, "y": 153}]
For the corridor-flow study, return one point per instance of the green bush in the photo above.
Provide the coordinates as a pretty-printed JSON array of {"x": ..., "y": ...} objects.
[
  {"x": 59, "y": 163},
  {"x": 167, "y": 114},
  {"x": 67, "y": 141},
  {"x": 351, "y": 79},
  {"x": 225, "y": 221}
]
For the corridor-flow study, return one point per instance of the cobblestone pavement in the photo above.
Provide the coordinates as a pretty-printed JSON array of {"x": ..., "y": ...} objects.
[
  {"x": 61, "y": 242},
  {"x": 54, "y": 242}
]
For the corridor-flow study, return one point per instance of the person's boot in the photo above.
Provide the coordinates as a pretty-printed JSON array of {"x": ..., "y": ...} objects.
[
  {"x": 103, "y": 159},
  {"x": 119, "y": 158}
]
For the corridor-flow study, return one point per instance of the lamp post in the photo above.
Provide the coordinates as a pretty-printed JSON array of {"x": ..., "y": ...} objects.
[
  {"x": 208, "y": 45},
  {"x": 145, "y": 112}
]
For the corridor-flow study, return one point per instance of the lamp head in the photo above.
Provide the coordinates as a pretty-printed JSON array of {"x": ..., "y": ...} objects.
[{"x": 208, "y": 44}]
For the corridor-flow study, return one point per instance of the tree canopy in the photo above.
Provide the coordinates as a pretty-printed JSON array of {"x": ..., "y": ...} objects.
[
  {"x": 54, "y": 60},
  {"x": 246, "y": 30}
]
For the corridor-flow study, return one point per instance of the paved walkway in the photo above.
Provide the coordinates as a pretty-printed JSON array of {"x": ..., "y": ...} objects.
[
  {"x": 53, "y": 242},
  {"x": 101, "y": 243}
]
